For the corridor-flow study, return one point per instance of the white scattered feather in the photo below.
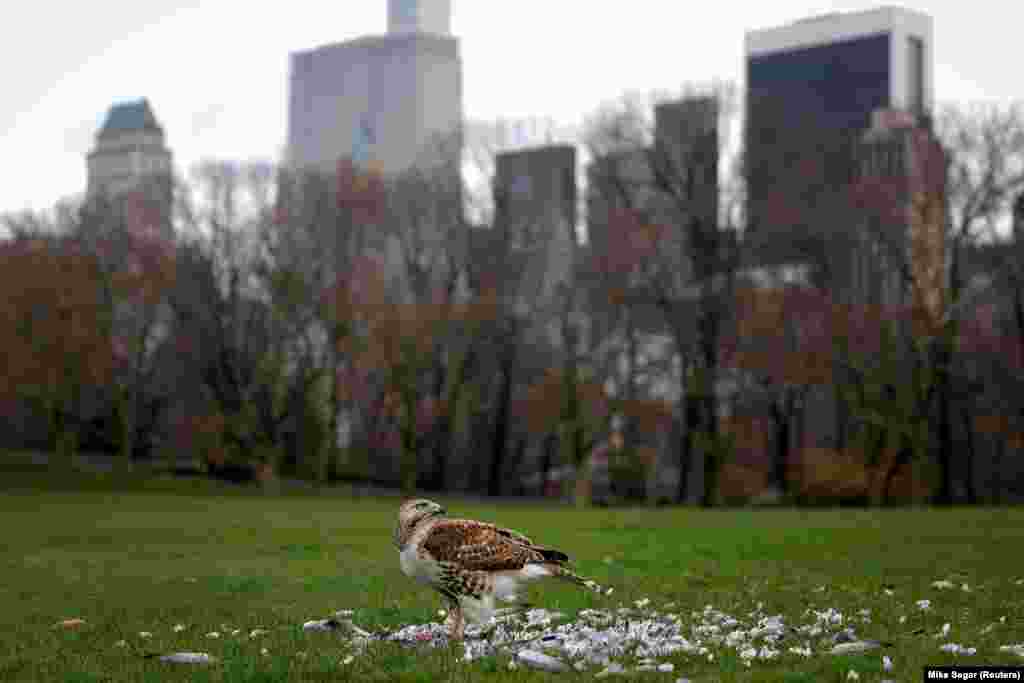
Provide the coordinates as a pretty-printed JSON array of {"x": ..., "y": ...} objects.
[
  {"x": 958, "y": 649},
  {"x": 924, "y": 604},
  {"x": 942, "y": 584},
  {"x": 188, "y": 658},
  {"x": 539, "y": 660},
  {"x": 145, "y": 634},
  {"x": 855, "y": 646},
  {"x": 178, "y": 628},
  {"x": 1016, "y": 649},
  {"x": 213, "y": 634},
  {"x": 886, "y": 663}
]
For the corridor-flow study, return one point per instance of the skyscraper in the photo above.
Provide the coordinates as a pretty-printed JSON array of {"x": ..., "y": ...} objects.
[
  {"x": 132, "y": 165},
  {"x": 129, "y": 149},
  {"x": 386, "y": 102},
  {"x": 812, "y": 86},
  {"x": 419, "y": 16},
  {"x": 535, "y": 202}
]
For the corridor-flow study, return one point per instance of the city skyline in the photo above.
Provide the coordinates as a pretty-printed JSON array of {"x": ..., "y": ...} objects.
[{"x": 225, "y": 96}]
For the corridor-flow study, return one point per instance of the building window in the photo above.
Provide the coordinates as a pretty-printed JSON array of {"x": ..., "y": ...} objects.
[{"x": 915, "y": 82}]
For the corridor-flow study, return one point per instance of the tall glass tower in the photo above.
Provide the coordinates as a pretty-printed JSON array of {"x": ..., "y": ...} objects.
[
  {"x": 420, "y": 16},
  {"x": 388, "y": 102},
  {"x": 812, "y": 86}
]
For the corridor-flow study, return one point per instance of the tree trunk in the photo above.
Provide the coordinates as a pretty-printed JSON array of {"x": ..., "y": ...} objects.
[
  {"x": 969, "y": 456},
  {"x": 944, "y": 433},
  {"x": 683, "y": 457},
  {"x": 441, "y": 433},
  {"x": 782, "y": 417},
  {"x": 903, "y": 458},
  {"x": 709, "y": 419},
  {"x": 126, "y": 414},
  {"x": 64, "y": 440},
  {"x": 581, "y": 494},
  {"x": 500, "y": 431},
  {"x": 547, "y": 457}
]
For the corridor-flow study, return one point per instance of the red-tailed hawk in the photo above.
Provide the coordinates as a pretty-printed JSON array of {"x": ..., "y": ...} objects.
[{"x": 472, "y": 563}]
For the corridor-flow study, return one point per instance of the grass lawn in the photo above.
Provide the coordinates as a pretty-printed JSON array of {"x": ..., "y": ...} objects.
[{"x": 210, "y": 558}]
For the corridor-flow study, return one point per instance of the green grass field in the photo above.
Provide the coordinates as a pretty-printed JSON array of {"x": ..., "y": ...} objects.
[{"x": 211, "y": 558}]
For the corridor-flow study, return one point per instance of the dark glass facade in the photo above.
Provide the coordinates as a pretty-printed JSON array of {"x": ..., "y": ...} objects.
[
  {"x": 806, "y": 110},
  {"x": 838, "y": 85}
]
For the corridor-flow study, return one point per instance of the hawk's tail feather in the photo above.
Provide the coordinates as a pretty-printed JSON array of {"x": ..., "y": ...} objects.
[
  {"x": 552, "y": 555},
  {"x": 567, "y": 574}
]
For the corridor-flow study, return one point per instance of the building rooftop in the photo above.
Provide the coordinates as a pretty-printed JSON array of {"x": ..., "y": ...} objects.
[
  {"x": 448, "y": 45},
  {"x": 836, "y": 27},
  {"x": 129, "y": 117}
]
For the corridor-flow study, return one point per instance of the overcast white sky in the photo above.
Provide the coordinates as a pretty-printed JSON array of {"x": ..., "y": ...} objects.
[{"x": 215, "y": 71}]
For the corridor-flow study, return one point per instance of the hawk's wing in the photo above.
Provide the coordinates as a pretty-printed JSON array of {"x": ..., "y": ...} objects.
[{"x": 479, "y": 546}]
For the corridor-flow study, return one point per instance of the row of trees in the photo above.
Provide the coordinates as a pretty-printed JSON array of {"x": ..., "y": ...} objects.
[{"x": 344, "y": 326}]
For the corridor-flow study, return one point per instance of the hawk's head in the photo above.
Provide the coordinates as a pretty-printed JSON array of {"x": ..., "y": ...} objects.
[{"x": 411, "y": 513}]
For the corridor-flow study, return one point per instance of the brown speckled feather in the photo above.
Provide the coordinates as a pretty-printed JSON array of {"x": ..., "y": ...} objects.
[{"x": 478, "y": 546}]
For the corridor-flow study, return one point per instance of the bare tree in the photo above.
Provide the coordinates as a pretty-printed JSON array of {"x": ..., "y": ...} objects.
[{"x": 665, "y": 244}]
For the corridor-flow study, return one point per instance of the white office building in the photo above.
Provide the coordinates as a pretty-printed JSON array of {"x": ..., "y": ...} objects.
[{"x": 386, "y": 102}]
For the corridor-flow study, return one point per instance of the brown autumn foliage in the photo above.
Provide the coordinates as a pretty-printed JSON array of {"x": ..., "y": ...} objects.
[
  {"x": 827, "y": 474},
  {"x": 542, "y": 407},
  {"x": 785, "y": 335},
  {"x": 741, "y": 482},
  {"x": 54, "y": 325},
  {"x": 749, "y": 435},
  {"x": 646, "y": 416}
]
